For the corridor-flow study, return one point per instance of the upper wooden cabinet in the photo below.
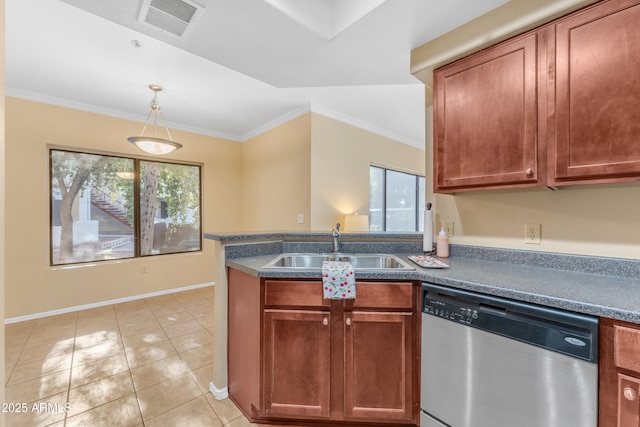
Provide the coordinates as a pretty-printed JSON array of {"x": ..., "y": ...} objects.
[
  {"x": 556, "y": 106},
  {"x": 486, "y": 117},
  {"x": 597, "y": 132}
]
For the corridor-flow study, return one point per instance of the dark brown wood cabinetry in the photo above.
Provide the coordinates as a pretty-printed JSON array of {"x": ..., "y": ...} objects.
[
  {"x": 558, "y": 105},
  {"x": 378, "y": 358},
  {"x": 486, "y": 117},
  {"x": 597, "y": 133},
  {"x": 296, "y": 363},
  {"x": 380, "y": 375},
  {"x": 296, "y": 358},
  {"x": 619, "y": 401},
  {"x": 351, "y": 362}
]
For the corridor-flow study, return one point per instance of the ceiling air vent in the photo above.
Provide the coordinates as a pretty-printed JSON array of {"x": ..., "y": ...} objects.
[{"x": 173, "y": 16}]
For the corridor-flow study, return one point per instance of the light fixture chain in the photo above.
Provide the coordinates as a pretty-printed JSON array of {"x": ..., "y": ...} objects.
[
  {"x": 145, "y": 123},
  {"x": 165, "y": 126}
]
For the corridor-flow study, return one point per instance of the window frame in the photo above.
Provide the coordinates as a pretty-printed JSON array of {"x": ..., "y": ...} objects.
[
  {"x": 136, "y": 202},
  {"x": 385, "y": 170}
]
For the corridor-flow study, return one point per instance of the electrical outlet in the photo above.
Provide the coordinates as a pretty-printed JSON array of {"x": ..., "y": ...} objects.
[
  {"x": 143, "y": 268},
  {"x": 532, "y": 234},
  {"x": 300, "y": 218},
  {"x": 448, "y": 227}
]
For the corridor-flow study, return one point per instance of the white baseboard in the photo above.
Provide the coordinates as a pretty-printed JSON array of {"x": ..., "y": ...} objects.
[
  {"x": 103, "y": 303},
  {"x": 219, "y": 393}
]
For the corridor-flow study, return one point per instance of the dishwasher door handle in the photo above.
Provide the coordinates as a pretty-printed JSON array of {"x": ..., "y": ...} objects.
[{"x": 499, "y": 311}]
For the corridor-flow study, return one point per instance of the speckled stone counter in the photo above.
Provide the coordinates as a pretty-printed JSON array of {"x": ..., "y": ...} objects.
[{"x": 608, "y": 287}]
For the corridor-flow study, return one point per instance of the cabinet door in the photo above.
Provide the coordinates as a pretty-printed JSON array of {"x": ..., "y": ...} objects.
[
  {"x": 628, "y": 402},
  {"x": 296, "y": 365},
  {"x": 378, "y": 364},
  {"x": 485, "y": 112},
  {"x": 597, "y": 135}
]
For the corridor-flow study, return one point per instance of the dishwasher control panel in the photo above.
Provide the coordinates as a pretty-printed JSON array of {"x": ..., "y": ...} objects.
[
  {"x": 452, "y": 310},
  {"x": 561, "y": 331}
]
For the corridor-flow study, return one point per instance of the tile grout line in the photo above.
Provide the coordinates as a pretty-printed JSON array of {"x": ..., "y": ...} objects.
[
  {"x": 73, "y": 355},
  {"x": 126, "y": 358},
  {"x": 8, "y": 378}
]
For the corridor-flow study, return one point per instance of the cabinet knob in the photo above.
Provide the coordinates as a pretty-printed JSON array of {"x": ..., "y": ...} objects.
[
  {"x": 529, "y": 172},
  {"x": 325, "y": 321},
  {"x": 629, "y": 393},
  {"x": 348, "y": 321}
]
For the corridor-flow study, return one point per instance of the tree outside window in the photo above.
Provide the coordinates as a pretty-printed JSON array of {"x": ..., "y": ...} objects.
[{"x": 108, "y": 207}]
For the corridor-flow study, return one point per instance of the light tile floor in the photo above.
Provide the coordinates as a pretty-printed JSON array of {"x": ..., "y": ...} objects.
[{"x": 146, "y": 362}]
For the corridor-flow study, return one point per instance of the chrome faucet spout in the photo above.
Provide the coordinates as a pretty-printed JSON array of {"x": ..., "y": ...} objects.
[{"x": 336, "y": 238}]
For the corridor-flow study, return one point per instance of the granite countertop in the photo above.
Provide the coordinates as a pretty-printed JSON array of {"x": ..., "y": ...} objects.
[
  {"x": 600, "y": 286},
  {"x": 308, "y": 235},
  {"x": 607, "y": 295}
]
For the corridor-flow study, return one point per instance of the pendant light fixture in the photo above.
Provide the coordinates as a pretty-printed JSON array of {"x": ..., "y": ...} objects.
[{"x": 153, "y": 144}]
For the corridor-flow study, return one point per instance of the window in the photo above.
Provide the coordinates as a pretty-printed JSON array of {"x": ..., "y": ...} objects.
[
  {"x": 108, "y": 207},
  {"x": 396, "y": 201}
]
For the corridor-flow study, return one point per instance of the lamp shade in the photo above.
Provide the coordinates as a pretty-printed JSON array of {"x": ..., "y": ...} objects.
[
  {"x": 355, "y": 222},
  {"x": 126, "y": 175},
  {"x": 154, "y": 145}
]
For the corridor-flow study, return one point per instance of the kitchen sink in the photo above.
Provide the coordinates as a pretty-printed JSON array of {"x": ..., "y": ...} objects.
[{"x": 358, "y": 261}]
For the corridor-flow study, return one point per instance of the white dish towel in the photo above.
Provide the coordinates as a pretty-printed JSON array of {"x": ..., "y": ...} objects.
[{"x": 338, "y": 280}]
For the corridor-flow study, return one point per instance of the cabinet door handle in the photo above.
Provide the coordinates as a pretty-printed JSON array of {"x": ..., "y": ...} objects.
[
  {"x": 325, "y": 321},
  {"x": 629, "y": 393},
  {"x": 529, "y": 172},
  {"x": 348, "y": 321}
]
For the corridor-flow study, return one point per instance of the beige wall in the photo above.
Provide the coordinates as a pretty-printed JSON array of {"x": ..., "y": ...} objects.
[
  {"x": 34, "y": 287},
  {"x": 316, "y": 166},
  {"x": 597, "y": 220},
  {"x": 312, "y": 165},
  {"x": 2, "y": 202},
  {"x": 276, "y": 177},
  {"x": 341, "y": 155}
]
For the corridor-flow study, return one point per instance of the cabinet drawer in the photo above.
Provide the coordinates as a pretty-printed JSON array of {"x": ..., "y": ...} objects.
[
  {"x": 626, "y": 346},
  {"x": 294, "y": 293},
  {"x": 382, "y": 295}
]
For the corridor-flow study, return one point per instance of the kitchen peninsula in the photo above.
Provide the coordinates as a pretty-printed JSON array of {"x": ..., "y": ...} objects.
[{"x": 604, "y": 287}]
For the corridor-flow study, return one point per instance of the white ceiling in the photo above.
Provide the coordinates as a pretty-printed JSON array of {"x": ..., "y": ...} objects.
[{"x": 246, "y": 66}]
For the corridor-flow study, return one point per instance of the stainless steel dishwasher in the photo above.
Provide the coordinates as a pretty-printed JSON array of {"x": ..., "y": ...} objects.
[{"x": 493, "y": 362}]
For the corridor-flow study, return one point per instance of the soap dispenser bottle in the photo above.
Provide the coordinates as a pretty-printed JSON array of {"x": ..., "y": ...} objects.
[{"x": 442, "y": 244}]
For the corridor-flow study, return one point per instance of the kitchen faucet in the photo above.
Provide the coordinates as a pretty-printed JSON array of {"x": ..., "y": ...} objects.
[{"x": 336, "y": 238}]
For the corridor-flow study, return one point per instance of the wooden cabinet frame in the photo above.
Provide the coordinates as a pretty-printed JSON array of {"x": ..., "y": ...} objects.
[
  {"x": 574, "y": 120},
  {"x": 619, "y": 372},
  {"x": 343, "y": 349},
  {"x": 490, "y": 117},
  {"x": 597, "y": 115}
]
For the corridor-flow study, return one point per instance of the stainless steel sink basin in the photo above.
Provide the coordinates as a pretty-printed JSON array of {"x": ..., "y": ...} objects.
[{"x": 358, "y": 261}]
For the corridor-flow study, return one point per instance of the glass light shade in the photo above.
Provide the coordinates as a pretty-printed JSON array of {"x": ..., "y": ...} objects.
[
  {"x": 126, "y": 175},
  {"x": 154, "y": 145},
  {"x": 355, "y": 222}
]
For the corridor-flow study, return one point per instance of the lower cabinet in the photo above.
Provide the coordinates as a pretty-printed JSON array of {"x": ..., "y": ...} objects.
[
  {"x": 377, "y": 365},
  {"x": 351, "y": 362},
  {"x": 619, "y": 374},
  {"x": 296, "y": 363}
]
